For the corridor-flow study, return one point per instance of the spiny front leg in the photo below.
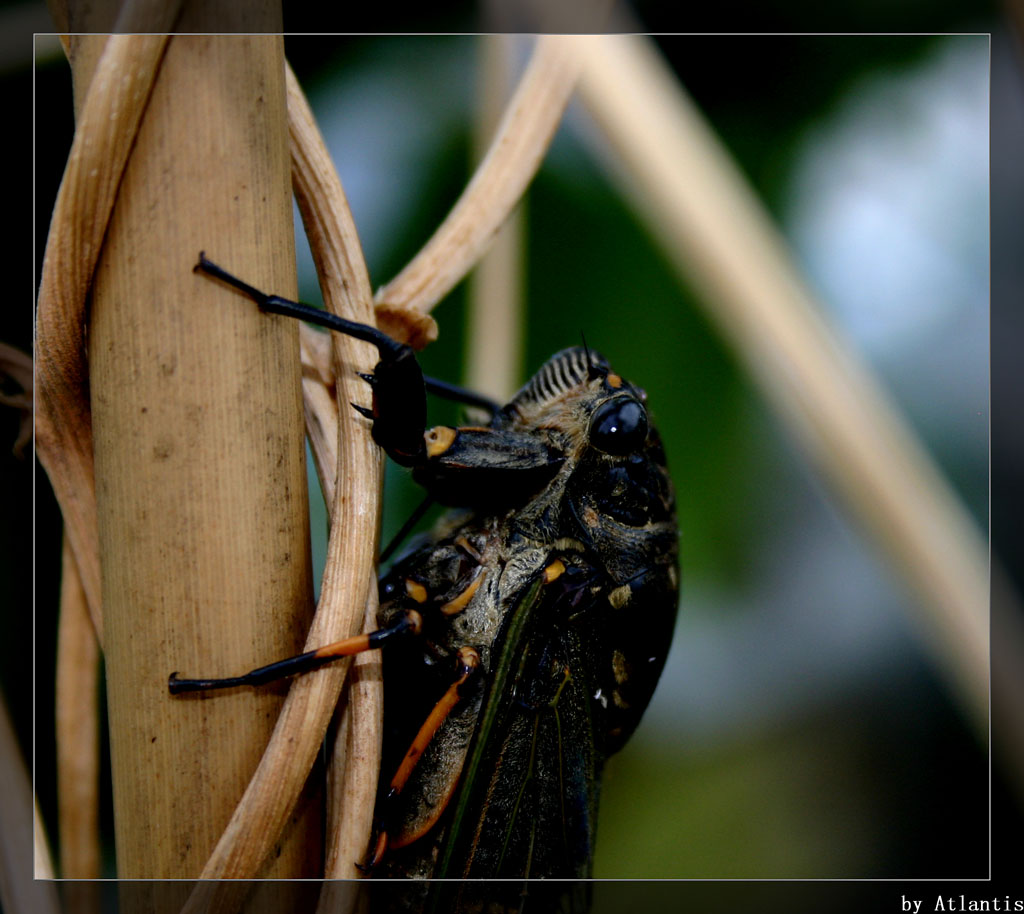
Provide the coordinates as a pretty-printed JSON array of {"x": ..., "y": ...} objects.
[
  {"x": 399, "y": 411},
  {"x": 458, "y": 466}
]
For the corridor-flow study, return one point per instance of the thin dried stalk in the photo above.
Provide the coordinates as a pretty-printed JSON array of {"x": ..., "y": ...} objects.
[
  {"x": 355, "y": 759},
  {"x": 494, "y": 329},
  {"x": 320, "y": 407},
  {"x": 711, "y": 224},
  {"x": 78, "y": 737},
  {"x": 345, "y": 589},
  {"x": 345, "y": 286},
  {"x": 108, "y": 120},
  {"x": 523, "y": 137},
  {"x": 107, "y": 126}
]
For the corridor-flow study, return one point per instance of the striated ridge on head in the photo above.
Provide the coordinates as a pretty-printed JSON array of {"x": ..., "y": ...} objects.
[{"x": 563, "y": 372}]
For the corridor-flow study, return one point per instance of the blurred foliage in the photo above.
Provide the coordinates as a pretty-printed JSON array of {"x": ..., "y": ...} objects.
[{"x": 873, "y": 788}]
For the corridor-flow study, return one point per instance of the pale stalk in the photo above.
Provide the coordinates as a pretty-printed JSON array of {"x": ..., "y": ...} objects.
[
  {"x": 345, "y": 589},
  {"x": 494, "y": 331},
  {"x": 107, "y": 122},
  {"x": 199, "y": 457},
  {"x": 523, "y": 136},
  {"x": 355, "y": 762},
  {"x": 107, "y": 125},
  {"x": 78, "y": 729}
]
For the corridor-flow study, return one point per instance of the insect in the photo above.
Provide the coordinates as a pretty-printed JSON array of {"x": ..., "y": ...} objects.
[{"x": 524, "y": 635}]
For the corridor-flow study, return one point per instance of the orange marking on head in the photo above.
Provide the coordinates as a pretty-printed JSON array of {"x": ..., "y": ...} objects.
[
  {"x": 613, "y": 380},
  {"x": 439, "y": 439},
  {"x": 619, "y": 597}
]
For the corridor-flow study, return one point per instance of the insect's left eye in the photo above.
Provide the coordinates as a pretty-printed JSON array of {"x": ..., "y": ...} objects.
[{"x": 619, "y": 426}]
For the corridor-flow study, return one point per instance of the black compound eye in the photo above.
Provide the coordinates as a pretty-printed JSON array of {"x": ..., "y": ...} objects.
[{"x": 619, "y": 426}]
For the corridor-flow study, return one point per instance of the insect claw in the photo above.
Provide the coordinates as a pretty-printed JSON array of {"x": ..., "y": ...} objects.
[
  {"x": 378, "y": 854},
  {"x": 368, "y": 377},
  {"x": 363, "y": 411}
]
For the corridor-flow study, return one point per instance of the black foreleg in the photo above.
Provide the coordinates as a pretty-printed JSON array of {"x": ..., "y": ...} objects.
[
  {"x": 467, "y": 465},
  {"x": 399, "y": 411}
]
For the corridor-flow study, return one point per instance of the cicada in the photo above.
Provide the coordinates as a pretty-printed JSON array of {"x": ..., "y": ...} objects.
[{"x": 524, "y": 635}]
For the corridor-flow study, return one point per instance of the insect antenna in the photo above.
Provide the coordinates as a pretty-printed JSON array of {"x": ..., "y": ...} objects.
[
  {"x": 593, "y": 372},
  {"x": 406, "y": 528}
]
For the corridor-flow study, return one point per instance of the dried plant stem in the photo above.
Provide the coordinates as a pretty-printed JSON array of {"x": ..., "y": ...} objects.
[
  {"x": 200, "y": 464},
  {"x": 320, "y": 407},
  {"x": 78, "y": 749},
  {"x": 494, "y": 329},
  {"x": 107, "y": 125},
  {"x": 108, "y": 120},
  {"x": 355, "y": 759},
  {"x": 345, "y": 590},
  {"x": 345, "y": 284},
  {"x": 711, "y": 224},
  {"x": 530, "y": 121}
]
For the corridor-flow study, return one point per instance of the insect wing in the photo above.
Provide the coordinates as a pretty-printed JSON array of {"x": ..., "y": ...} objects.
[{"x": 527, "y": 801}]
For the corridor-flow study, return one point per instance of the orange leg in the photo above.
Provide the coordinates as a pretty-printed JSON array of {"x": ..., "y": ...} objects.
[
  {"x": 410, "y": 624},
  {"x": 469, "y": 662}
]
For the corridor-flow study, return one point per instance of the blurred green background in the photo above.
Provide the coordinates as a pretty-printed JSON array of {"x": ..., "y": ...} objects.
[{"x": 800, "y": 729}]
